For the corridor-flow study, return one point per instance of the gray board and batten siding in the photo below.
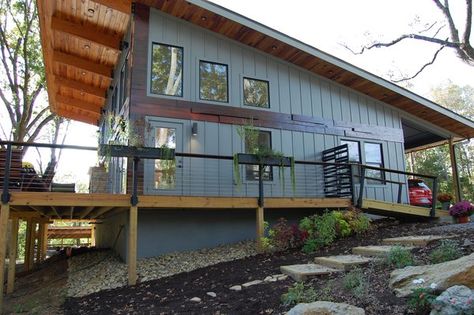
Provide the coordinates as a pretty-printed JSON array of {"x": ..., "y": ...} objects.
[{"x": 344, "y": 114}]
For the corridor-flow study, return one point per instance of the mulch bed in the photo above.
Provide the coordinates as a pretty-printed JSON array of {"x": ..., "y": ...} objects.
[{"x": 172, "y": 295}]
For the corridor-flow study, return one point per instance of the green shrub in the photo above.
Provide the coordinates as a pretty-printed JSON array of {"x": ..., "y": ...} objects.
[
  {"x": 356, "y": 283},
  {"x": 320, "y": 229},
  {"x": 298, "y": 293},
  {"x": 420, "y": 300},
  {"x": 282, "y": 236},
  {"x": 358, "y": 222},
  {"x": 343, "y": 228},
  {"x": 400, "y": 257},
  {"x": 446, "y": 251}
]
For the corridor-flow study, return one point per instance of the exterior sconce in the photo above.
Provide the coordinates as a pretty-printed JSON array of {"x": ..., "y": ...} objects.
[{"x": 194, "y": 129}]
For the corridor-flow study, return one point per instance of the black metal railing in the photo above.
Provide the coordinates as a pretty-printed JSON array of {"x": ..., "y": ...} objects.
[{"x": 198, "y": 174}]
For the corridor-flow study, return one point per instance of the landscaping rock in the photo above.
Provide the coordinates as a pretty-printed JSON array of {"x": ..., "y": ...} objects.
[
  {"x": 302, "y": 272},
  {"x": 456, "y": 300},
  {"x": 251, "y": 283},
  {"x": 195, "y": 299},
  {"x": 211, "y": 294},
  {"x": 344, "y": 262},
  {"x": 325, "y": 308},
  {"x": 375, "y": 251},
  {"x": 420, "y": 240},
  {"x": 445, "y": 275},
  {"x": 236, "y": 288}
]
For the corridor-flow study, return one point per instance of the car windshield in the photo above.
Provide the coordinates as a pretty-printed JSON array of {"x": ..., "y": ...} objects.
[{"x": 417, "y": 184}]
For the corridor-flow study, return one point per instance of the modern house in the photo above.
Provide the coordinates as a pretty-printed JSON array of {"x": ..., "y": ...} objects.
[{"x": 186, "y": 75}]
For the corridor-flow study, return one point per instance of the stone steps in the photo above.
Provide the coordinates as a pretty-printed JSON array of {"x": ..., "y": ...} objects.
[
  {"x": 343, "y": 262},
  {"x": 362, "y": 255},
  {"x": 375, "y": 251},
  {"x": 422, "y": 240},
  {"x": 304, "y": 271}
]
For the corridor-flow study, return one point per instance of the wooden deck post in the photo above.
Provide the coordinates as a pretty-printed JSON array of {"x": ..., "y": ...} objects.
[
  {"x": 132, "y": 246},
  {"x": 44, "y": 241},
  {"x": 4, "y": 215},
  {"x": 31, "y": 241},
  {"x": 12, "y": 255},
  {"x": 454, "y": 169},
  {"x": 39, "y": 250},
  {"x": 260, "y": 228},
  {"x": 26, "y": 263},
  {"x": 93, "y": 235}
]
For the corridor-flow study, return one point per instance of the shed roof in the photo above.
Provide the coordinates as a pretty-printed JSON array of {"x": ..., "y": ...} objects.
[{"x": 219, "y": 20}]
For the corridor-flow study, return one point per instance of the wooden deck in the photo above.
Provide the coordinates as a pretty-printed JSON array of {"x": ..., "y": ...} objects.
[
  {"x": 395, "y": 209},
  {"x": 96, "y": 206}
]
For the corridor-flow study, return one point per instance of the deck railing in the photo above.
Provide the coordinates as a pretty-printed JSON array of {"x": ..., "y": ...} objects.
[{"x": 208, "y": 175}]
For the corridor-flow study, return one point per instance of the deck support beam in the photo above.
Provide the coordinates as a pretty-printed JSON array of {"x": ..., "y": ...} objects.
[
  {"x": 132, "y": 246},
  {"x": 260, "y": 227},
  {"x": 4, "y": 216},
  {"x": 12, "y": 255},
  {"x": 44, "y": 241},
  {"x": 29, "y": 224},
  {"x": 454, "y": 169}
]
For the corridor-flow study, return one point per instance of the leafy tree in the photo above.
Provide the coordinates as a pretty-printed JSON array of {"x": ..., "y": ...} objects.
[
  {"x": 446, "y": 33},
  {"x": 437, "y": 160},
  {"x": 22, "y": 76}
]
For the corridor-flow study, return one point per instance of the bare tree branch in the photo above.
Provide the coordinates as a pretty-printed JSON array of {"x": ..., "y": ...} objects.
[
  {"x": 423, "y": 67},
  {"x": 38, "y": 128}
]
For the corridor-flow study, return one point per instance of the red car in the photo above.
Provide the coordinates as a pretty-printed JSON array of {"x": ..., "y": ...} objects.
[{"x": 420, "y": 194}]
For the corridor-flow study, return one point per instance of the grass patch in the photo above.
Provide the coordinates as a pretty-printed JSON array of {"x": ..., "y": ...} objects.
[
  {"x": 298, "y": 293},
  {"x": 446, "y": 251},
  {"x": 356, "y": 283},
  {"x": 400, "y": 257}
]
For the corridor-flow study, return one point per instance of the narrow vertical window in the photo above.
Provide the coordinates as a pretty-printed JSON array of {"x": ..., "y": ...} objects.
[
  {"x": 165, "y": 170},
  {"x": 213, "y": 81},
  {"x": 354, "y": 157},
  {"x": 256, "y": 93},
  {"x": 167, "y": 70},
  {"x": 374, "y": 157},
  {"x": 264, "y": 142}
]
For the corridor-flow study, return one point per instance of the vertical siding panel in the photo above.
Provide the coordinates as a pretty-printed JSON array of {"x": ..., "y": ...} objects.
[
  {"x": 299, "y": 154},
  {"x": 284, "y": 89},
  {"x": 274, "y": 89},
  {"x": 336, "y": 102},
  {"x": 260, "y": 66},
  {"x": 316, "y": 101},
  {"x": 287, "y": 148},
  {"x": 364, "y": 114},
  {"x": 309, "y": 170},
  {"x": 211, "y": 170},
  {"x": 326, "y": 100},
  {"x": 295, "y": 93},
  {"x": 225, "y": 167},
  {"x": 170, "y": 28},
  {"x": 249, "y": 63},
  {"x": 372, "y": 112},
  {"x": 196, "y": 180},
  {"x": 237, "y": 147},
  {"x": 345, "y": 106},
  {"x": 235, "y": 84},
  {"x": 197, "y": 46},
  {"x": 276, "y": 187},
  {"x": 306, "y": 107},
  {"x": 210, "y": 48},
  {"x": 354, "y": 108}
]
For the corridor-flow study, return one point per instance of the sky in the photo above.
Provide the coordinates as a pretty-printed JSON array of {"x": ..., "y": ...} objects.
[{"x": 327, "y": 25}]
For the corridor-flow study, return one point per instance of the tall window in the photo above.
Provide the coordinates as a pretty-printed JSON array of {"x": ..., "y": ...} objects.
[
  {"x": 167, "y": 70},
  {"x": 354, "y": 150},
  {"x": 256, "y": 93},
  {"x": 374, "y": 157},
  {"x": 165, "y": 170},
  {"x": 213, "y": 81},
  {"x": 251, "y": 171}
]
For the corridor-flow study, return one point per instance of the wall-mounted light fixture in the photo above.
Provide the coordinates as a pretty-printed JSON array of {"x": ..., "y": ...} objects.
[{"x": 194, "y": 129}]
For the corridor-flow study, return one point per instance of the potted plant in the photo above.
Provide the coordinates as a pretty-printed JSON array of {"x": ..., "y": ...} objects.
[
  {"x": 461, "y": 211},
  {"x": 445, "y": 200}
]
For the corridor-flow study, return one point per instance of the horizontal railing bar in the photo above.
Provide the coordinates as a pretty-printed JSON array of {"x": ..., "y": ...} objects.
[{"x": 219, "y": 157}]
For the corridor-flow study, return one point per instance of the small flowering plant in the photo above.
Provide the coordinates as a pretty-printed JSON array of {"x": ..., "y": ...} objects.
[
  {"x": 461, "y": 209},
  {"x": 421, "y": 298},
  {"x": 444, "y": 197}
]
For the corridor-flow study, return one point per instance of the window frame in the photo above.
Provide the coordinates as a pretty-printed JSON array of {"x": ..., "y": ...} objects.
[
  {"x": 382, "y": 162},
  {"x": 271, "y": 178},
  {"x": 153, "y": 43},
  {"x": 200, "y": 79},
  {"x": 363, "y": 160},
  {"x": 243, "y": 91}
]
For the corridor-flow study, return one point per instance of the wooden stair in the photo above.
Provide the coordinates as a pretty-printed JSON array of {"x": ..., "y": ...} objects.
[{"x": 397, "y": 209}]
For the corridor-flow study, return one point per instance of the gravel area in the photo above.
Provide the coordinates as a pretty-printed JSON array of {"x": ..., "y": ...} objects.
[
  {"x": 451, "y": 228},
  {"x": 100, "y": 270}
]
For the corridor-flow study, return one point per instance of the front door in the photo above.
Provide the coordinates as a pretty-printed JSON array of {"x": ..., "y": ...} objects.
[{"x": 165, "y": 177}]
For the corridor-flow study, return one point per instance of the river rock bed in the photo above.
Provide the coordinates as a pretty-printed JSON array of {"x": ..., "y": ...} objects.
[{"x": 100, "y": 270}]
